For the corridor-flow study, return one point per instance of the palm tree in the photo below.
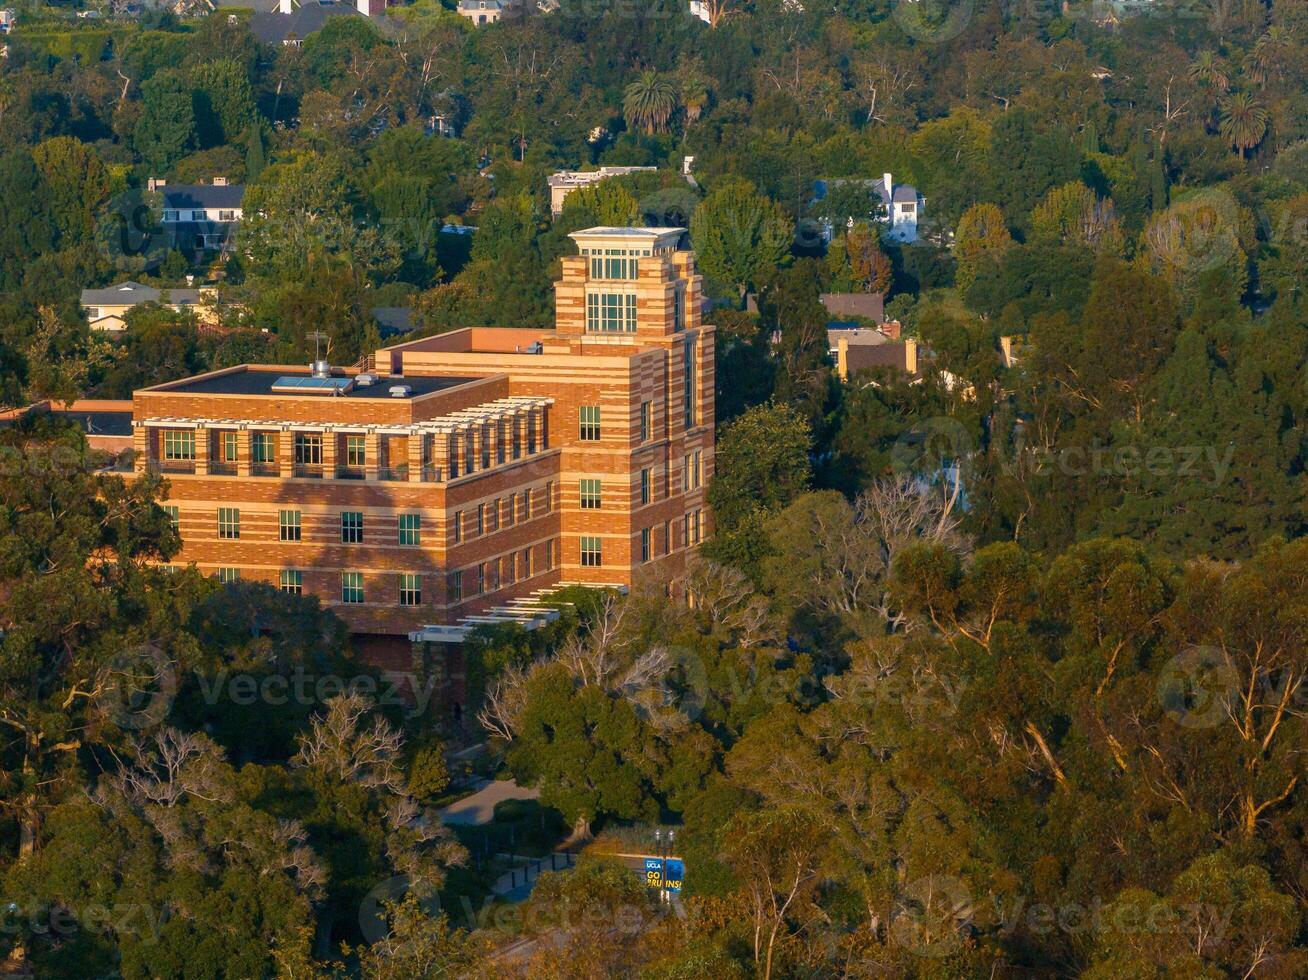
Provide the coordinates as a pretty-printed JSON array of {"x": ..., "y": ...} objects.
[
  {"x": 694, "y": 96},
  {"x": 1209, "y": 72},
  {"x": 650, "y": 101},
  {"x": 1243, "y": 122},
  {"x": 1267, "y": 59}
]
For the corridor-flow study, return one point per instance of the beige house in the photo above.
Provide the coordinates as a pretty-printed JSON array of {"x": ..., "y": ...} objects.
[
  {"x": 106, "y": 309},
  {"x": 486, "y": 11}
]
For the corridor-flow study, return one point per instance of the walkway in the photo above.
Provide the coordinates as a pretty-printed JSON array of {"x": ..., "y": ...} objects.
[{"x": 479, "y": 808}]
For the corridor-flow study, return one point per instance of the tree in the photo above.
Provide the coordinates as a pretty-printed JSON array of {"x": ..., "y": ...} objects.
[
  {"x": 739, "y": 236},
  {"x": 1074, "y": 215},
  {"x": 223, "y": 101},
  {"x": 982, "y": 239},
  {"x": 165, "y": 131},
  {"x": 77, "y": 183},
  {"x": 650, "y": 100},
  {"x": 604, "y": 202},
  {"x": 1242, "y": 121},
  {"x": 1209, "y": 72}
]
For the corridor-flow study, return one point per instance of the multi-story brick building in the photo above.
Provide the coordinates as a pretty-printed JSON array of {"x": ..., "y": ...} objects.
[{"x": 466, "y": 469}]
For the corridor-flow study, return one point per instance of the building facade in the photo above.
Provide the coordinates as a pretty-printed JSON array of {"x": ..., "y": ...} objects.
[
  {"x": 465, "y": 469},
  {"x": 565, "y": 182}
]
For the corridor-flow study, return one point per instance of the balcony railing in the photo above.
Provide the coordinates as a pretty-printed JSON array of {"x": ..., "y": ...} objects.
[
  {"x": 265, "y": 469},
  {"x": 222, "y": 469},
  {"x": 311, "y": 471},
  {"x": 394, "y": 474}
]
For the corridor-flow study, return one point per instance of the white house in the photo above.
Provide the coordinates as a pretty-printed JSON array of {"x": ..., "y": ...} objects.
[
  {"x": 901, "y": 206},
  {"x": 200, "y": 217},
  {"x": 566, "y": 181}
]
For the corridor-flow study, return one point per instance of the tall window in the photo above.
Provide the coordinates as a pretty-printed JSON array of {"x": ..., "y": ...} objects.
[
  {"x": 611, "y": 312},
  {"x": 697, "y": 468},
  {"x": 261, "y": 447},
  {"x": 228, "y": 449},
  {"x": 549, "y": 496},
  {"x": 549, "y": 554},
  {"x": 229, "y": 522},
  {"x": 644, "y": 486},
  {"x": 288, "y": 525},
  {"x": 689, "y": 388},
  {"x": 510, "y": 506},
  {"x": 644, "y": 544},
  {"x": 592, "y": 554},
  {"x": 308, "y": 448},
  {"x": 410, "y": 589},
  {"x": 590, "y": 494},
  {"x": 174, "y": 516},
  {"x": 698, "y": 524},
  {"x": 356, "y": 451},
  {"x": 351, "y": 527},
  {"x": 526, "y": 504},
  {"x": 590, "y": 423},
  {"x": 411, "y": 529},
  {"x": 179, "y": 444},
  {"x": 483, "y": 438},
  {"x": 613, "y": 263},
  {"x": 493, "y": 514},
  {"x": 481, "y": 578},
  {"x": 454, "y": 586},
  {"x": 646, "y": 420},
  {"x": 481, "y": 519},
  {"x": 667, "y": 537},
  {"x": 526, "y": 563},
  {"x": 679, "y": 310},
  {"x": 456, "y": 522},
  {"x": 229, "y": 575},
  {"x": 352, "y": 587},
  {"x": 292, "y": 581}
]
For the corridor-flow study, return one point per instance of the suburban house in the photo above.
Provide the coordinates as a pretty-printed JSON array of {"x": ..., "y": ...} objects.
[
  {"x": 842, "y": 306},
  {"x": 200, "y": 217},
  {"x": 106, "y": 309},
  {"x": 565, "y": 182},
  {"x": 486, "y": 11},
  {"x": 452, "y": 480},
  {"x": 7, "y": 20},
  {"x": 901, "y": 206},
  {"x": 289, "y": 22},
  {"x": 858, "y": 349}
]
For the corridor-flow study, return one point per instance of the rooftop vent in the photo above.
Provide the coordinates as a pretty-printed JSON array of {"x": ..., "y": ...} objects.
[
  {"x": 400, "y": 391},
  {"x": 320, "y": 369},
  {"x": 364, "y": 380}
]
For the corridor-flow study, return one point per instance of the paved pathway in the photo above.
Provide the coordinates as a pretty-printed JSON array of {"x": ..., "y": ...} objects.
[{"x": 479, "y": 808}]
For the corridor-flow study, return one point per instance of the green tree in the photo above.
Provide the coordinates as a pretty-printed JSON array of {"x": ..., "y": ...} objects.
[
  {"x": 739, "y": 236},
  {"x": 1242, "y": 121},
  {"x": 982, "y": 239},
  {"x": 77, "y": 183},
  {"x": 649, "y": 101},
  {"x": 223, "y": 102},
  {"x": 165, "y": 131}
]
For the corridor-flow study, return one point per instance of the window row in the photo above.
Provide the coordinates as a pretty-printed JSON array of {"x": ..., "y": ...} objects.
[
  {"x": 498, "y": 573},
  {"x": 502, "y": 512}
]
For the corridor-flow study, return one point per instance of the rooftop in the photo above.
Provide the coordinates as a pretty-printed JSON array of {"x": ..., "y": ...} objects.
[
  {"x": 202, "y": 195},
  {"x": 274, "y": 27},
  {"x": 131, "y": 293},
  {"x": 264, "y": 381}
]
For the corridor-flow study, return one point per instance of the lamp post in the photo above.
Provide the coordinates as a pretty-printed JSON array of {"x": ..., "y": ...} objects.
[
  {"x": 667, "y": 895},
  {"x": 658, "y": 846}
]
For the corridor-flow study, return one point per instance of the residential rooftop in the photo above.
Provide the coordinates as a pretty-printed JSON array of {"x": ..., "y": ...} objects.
[{"x": 182, "y": 196}]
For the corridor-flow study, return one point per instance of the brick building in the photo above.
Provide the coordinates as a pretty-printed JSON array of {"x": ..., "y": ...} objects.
[{"x": 468, "y": 469}]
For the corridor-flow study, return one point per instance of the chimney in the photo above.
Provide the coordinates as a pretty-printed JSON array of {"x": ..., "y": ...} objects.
[
  {"x": 890, "y": 185},
  {"x": 284, "y": 6},
  {"x": 891, "y": 329},
  {"x": 910, "y": 356},
  {"x": 154, "y": 183},
  {"x": 842, "y": 358},
  {"x": 220, "y": 182}
]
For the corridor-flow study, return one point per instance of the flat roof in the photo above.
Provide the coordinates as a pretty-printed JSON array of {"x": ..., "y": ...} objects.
[
  {"x": 260, "y": 381},
  {"x": 607, "y": 231},
  {"x": 99, "y": 423}
]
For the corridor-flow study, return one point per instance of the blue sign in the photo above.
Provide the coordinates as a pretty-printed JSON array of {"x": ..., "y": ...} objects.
[{"x": 654, "y": 874}]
